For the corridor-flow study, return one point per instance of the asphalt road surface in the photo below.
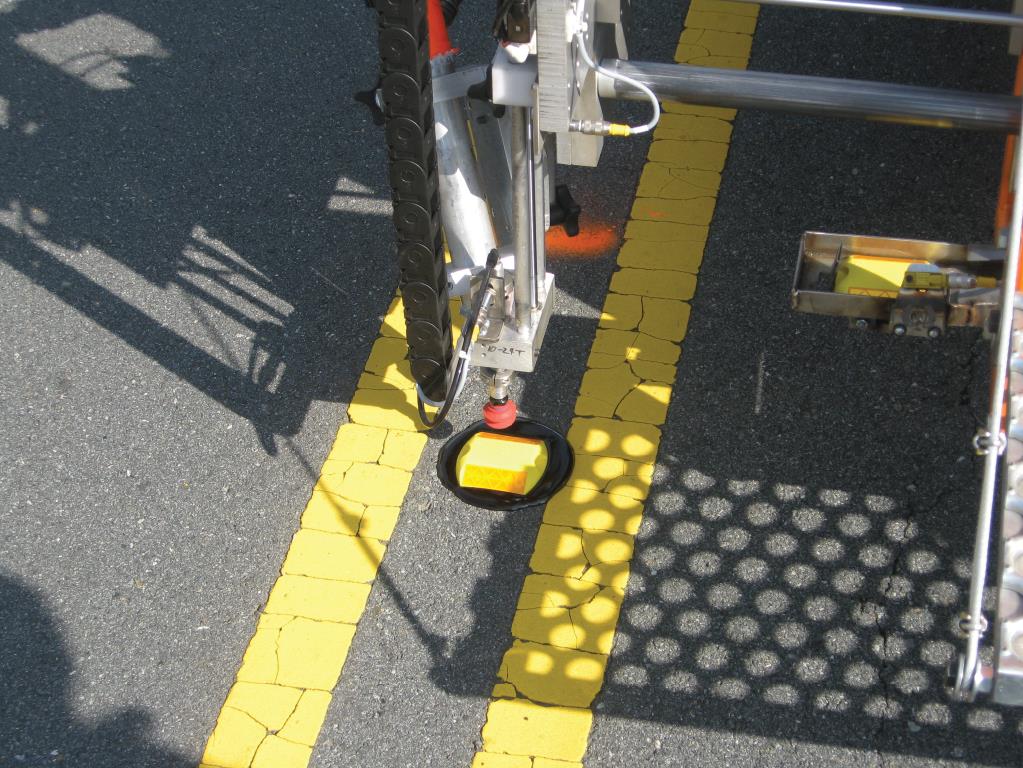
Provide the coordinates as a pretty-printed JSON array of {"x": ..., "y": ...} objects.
[{"x": 195, "y": 254}]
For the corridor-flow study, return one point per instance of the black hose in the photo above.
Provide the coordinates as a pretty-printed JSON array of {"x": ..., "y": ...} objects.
[
  {"x": 450, "y": 9},
  {"x": 503, "y": 6},
  {"x": 463, "y": 353}
]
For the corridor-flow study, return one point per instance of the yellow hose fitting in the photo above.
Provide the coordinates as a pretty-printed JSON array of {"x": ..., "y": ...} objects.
[{"x": 599, "y": 128}]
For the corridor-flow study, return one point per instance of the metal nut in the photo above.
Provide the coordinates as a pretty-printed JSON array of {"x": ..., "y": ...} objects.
[{"x": 899, "y": 329}]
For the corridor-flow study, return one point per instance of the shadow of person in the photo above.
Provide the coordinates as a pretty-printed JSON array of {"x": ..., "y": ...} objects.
[
  {"x": 38, "y": 725},
  {"x": 166, "y": 187}
]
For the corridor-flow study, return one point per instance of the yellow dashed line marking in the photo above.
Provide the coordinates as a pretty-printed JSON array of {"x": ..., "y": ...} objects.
[
  {"x": 539, "y": 715},
  {"x": 276, "y": 707}
]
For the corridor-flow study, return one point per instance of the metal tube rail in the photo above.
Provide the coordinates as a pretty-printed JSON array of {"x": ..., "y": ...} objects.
[
  {"x": 966, "y": 15},
  {"x": 465, "y": 214},
  {"x": 534, "y": 295},
  {"x": 825, "y": 96},
  {"x": 522, "y": 214},
  {"x": 992, "y": 444},
  {"x": 541, "y": 209}
]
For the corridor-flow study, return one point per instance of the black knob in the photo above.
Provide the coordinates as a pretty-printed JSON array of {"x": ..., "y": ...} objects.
[
  {"x": 369, "y": 98},
  {"x": 565, "y": 210}
]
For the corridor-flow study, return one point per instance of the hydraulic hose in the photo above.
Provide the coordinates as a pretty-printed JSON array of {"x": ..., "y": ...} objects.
[
  {"x": 462, "y": 357},
  {"x": 450, "y": 9}
]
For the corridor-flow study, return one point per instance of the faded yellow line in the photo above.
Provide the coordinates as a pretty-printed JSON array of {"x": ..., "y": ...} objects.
[
  {"x": 540, "y": 716},
  {"x": 274, "y": 711}
]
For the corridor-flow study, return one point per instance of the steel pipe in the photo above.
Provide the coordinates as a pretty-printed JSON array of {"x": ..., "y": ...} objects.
[
  {"x": 522, "y": 215},
  {"x": 468, "y": 226},
  {"x": 967, "y": 15},
  {"x": 975, "y": 624},
  {"x": 741, "y": 89}
]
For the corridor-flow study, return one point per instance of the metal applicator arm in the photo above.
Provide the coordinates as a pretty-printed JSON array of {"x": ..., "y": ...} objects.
[{"x": 479, "y": 305}]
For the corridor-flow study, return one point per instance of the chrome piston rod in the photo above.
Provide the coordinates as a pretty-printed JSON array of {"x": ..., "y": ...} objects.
[
  {"x": 523, "y": 208},
  {"x": 823, "y": 96}
]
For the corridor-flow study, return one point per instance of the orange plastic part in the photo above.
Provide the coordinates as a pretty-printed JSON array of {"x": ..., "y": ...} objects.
[
  {"x": 440, "y": 42},
  {"x": 595, "y": 239},
  {"x": 1003, "y": 213}
]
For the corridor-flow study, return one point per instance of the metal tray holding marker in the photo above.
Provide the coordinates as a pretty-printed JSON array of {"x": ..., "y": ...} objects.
[
  {"x": 905, "y": 287},
  {"x": 507, "y": 469}
]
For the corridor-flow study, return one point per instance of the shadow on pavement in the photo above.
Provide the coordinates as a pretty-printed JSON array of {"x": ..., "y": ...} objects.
[
  {"x": 195, "y": 180},
  {"x": 38, "y": 725}
]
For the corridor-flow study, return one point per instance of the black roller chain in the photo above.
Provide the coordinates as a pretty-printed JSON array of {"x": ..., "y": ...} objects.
[{"x": 407, "y": 97}]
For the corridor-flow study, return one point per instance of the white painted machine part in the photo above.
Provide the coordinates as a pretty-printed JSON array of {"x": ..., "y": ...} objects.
[
  {"x": 512, "y": 82},
  {"x": 465, "y": 213},
  {"x": 567, "y": 88}
]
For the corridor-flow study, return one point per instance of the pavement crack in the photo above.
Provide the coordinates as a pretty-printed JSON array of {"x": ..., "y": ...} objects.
[
  {"x": 553, "y": 604},
  {"x": 614, "y": 404},
  {"x": 575, "y": 629},
  {"x": 248, "y": 715},
  {"x": 903, "y": 537},
  {"x": 259, "y": 746},
  {"x": 290, "y": 741},
  {"x": 291, "y": 714},
  {"x": 681, "y": 175},
  {"x": 277, "y": 648},
  {"x": 967, "y": 367},
  {"x": 538, "y": 642}
]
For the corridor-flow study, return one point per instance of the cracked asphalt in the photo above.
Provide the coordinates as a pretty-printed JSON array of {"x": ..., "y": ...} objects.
[{"x": 195, "y": 246}]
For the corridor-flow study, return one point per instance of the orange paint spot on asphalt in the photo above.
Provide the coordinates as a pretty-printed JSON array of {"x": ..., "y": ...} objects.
[{"x": 595, "y": 239}]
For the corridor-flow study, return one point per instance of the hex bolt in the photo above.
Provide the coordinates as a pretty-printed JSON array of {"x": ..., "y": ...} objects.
[
  {"x": 934, "y": 332},
  {"x": 899, "y": 329},
  {"x": 861, "y": 323}
]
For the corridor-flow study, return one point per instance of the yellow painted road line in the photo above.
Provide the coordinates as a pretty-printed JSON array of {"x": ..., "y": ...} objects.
[
  {"x": 539, "y": 716},
  {"x": 276, "y": 707}
]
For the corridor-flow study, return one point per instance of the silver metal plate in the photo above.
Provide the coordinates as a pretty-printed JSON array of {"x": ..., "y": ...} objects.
[
  {"x": 514, "y": 350},
  {"x": 566, "y": 88},
  {"x": 819, "y": 251},
  {"x": 458, "y": 83}
]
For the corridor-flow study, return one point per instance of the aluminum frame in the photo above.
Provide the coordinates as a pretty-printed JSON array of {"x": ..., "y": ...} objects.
[{"x": 822, "y": 96}]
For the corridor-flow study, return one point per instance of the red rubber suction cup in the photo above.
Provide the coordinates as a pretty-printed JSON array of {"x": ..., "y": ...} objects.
[{"x": 500, "y": 415}]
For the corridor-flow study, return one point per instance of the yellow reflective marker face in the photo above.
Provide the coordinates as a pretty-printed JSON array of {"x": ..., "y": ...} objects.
[
  {"x": 496, "y": 462},
  {"x": 872, "y": 275}
]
